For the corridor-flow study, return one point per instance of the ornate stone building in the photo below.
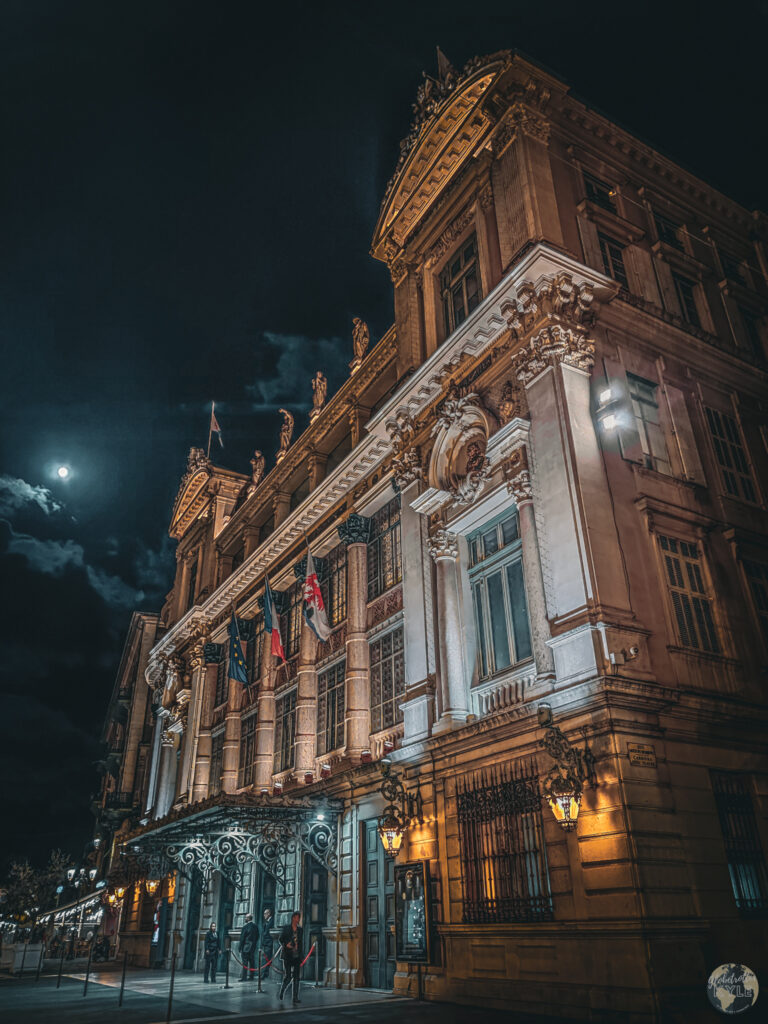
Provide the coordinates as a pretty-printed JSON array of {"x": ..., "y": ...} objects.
[{"x": 538, "y": 510}]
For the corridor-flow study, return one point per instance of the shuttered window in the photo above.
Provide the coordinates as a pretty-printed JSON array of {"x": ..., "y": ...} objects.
[
  {"x": 730, "y": 454},
  {"x": 613, "y": 259},
  {"x": 690, "y": 600},
  {"x": 645, "y": 406},
  {"x": 746, "y": 863},
  {"x": 757, "y": 576}
]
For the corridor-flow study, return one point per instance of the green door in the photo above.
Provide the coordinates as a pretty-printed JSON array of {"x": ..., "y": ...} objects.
[
  {"x": 379, "y": 910},
  {"x": 315, "y": 913}
]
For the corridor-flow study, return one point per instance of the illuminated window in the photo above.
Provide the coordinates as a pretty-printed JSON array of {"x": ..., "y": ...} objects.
[
  {"x": 387, "y": 680},
  {"x": 217, "y": 754},
  {"x": 613, "y": 259},
  {"x": 460, "y": 285},
  {"x": 686, "y": 296},
  {"x": 730, "y": 454},
  {"x": 247, "y": 750},
  {"x": 757, "y": 576},
  {"x": 385, "y": 568},
  {"x": 330, "y": 707},
  {"x": 285, "y": 731},
  {"x": 498, "y": 593},
  {"x": 599, "y": 192},
  {"x": 646, "y": 410},
  {"x": 690, "y": 600},
  {"x": 746, "y": 863}
]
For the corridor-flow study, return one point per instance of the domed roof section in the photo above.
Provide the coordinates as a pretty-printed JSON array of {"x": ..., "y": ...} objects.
[{"x": 449, "y": 124}]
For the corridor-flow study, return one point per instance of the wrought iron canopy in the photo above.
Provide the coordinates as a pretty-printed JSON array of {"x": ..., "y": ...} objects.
[{"x": 228, "y": 832}]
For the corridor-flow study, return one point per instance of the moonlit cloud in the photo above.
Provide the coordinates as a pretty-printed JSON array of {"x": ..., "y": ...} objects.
[
  {"x": 16, "y": 494},
  {"x": 281, "y": 357}
]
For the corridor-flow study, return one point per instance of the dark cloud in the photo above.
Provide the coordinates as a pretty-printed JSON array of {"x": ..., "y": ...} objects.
[{"x": 16, "y": 494}]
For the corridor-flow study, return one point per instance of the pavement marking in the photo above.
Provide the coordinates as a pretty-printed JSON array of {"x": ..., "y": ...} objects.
[{"x": 303, "y": 1008}]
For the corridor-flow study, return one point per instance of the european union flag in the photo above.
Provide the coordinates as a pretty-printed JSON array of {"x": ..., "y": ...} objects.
[{"x": 237, "y": 669}]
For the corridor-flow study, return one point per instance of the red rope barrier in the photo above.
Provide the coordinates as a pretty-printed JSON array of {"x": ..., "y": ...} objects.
[{"x": 269, "y": 962}]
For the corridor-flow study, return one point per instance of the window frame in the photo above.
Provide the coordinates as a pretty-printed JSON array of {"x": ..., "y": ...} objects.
[
  {"x": 334, "y": 585},
  {"x": 689, "y": 309},
  {"x": 255, "y": 650},
  {"x": 386, "y": 533},
  {"x": 448, "y": 283},
  {"x": 247, "y": 764},
  {"x": 331, "y": 728},
  {"x": 611, "y": 260},
  {"x": 292, "y": 618},
  {"x": 757, "y": 600},
  {"x": 599, "y": 192},
  {"x": 285, "y": 751},
  {"x": 395, "y": 657},
  {"x": 651, "y": 461},
  {"x": 721, "y": 443},
  {"x": 217, "y": 761},
  {"x": 221, "y": 689},
  {"x": 706, "y": 595},
  {"x": 734, "y": 799}
]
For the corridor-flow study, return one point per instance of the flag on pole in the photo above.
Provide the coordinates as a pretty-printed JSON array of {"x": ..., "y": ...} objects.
[
  {"x": 237, "y": 669},
  {"x": 272, "y": 622},
  {"x": 215, "y": 428},
  {"x": 314, "y": 606}
]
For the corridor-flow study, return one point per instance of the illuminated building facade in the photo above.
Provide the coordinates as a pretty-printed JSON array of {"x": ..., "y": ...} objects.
[{"x": 537, "y": 504}]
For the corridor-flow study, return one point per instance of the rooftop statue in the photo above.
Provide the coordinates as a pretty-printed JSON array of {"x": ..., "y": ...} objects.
[
  {"x": 257, "y": 470},
  {"x": 319, "y": 391},
  {"x": 360, "y": 338},
  {"x": 286, "y": 433}
]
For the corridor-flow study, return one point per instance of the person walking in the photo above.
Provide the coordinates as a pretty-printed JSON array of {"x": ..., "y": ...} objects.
[
  {"x": 249, "y": 944},
  {"x": 267, "y": 942},
  {"x": 291, "y": 939},
  {"x": 211, "y": 949}
]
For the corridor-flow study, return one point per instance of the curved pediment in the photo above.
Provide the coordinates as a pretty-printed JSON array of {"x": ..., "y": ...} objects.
[
  {"x": 192, "y": 498},
  {"x": 450, "y": 124}
]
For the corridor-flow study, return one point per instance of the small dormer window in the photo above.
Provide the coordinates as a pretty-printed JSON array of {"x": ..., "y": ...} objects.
[{"x": 460, "y": 285}]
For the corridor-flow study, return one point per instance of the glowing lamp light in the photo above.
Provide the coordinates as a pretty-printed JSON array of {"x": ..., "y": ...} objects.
[
  {"x": 325, "y": 771},
  {"x": 70, "y": 874},
  {"x": 278, "y": 788},
  {"x": 391, "y": 833},
  {"x": 565, "y": 807},
  {"x": 321, "y": 816},
  {"x": 111, "y": 899},
  {"x": 120, "y": 891},
  {"x": 609, "y": 422},
  {"x": 152, "y": 885},
  {"x": 92, "y": 873},
  {"x": 605, "y": 396}
]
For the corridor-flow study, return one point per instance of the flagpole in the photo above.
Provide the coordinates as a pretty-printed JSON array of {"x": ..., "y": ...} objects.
[{"x": 210, "y": 431}]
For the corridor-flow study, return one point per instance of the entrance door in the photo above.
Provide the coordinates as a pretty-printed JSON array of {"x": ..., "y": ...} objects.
[
  {"x": 195, "y": 890},
  {"x": 265, "y": 887},
  {"x": 315, "y": 911},
  {"x": 379, "y": 909},
  {"x": 226, "y": 916}
]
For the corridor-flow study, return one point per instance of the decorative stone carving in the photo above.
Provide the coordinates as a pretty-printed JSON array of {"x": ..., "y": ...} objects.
[
  {"x": 286, "y": 433},
  {"x": 360, "y": 338},
  {"x": 355, "y": 529},
  {"x": 197, "y": 460},
  {"x": 406, "y": 461},
  {"x": 518, "y": 475},
  {"x": 443, "y": 544},
  {"x": 319, "y": 391},
  {"x": 510, "y": 404},
  {"x": 556, "y": 344},
  {"x": 448, "y": 238},
  {"x": 197, "y": 658},
  {"x": 458, "y": 464},
  {"x": 258, "y": 462},
  {"x": 213, "y": 653}
]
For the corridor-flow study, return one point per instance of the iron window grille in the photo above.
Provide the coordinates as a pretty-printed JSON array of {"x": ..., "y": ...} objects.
[
  {"x": 757, "y": 577},
  {"x": 247, "y": 750},
  {"x": 387, "y": 680},
  {"x": 293, "y": 618},
  {"x": 599, "y": 192},
  {"x": 385, "y": 567},
  {"x": 498, "y": 597},
  {"x": 217, "y": 757},
  {"x": 331, "y": 707},
  {"x": 613, "y": 259},
  {"x": 746, "y": 863},
  {"x": 667, "y": 231},
  {"x": 222, "y": 688},
  {"x": 285, "y": 731},
  {"x": 685, "y": 289},
  {"x": 334, "y": 586},
  {"x": 648, "y": 424},
  {"x": 504, "y": 871},
  {"x": 730, "y": 454},
  {"x": 690, "y": 600},
  {"x": 255, "y": 650},
  {"x": 460, "y": 285}
]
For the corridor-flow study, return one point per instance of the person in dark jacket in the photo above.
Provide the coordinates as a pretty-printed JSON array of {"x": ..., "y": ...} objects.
[
  {"x": 291, "y": 939},
  {"x": 212, "y": 949},
  {"x": 267, "y": 942},
  {"x": 249, "y": 944}
]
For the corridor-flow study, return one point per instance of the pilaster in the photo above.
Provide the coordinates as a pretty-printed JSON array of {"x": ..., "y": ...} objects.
[
  {"x": 265, "y": 718},
  {"x": 355, "y": 532},
  {"x": 454, "y": 698}
]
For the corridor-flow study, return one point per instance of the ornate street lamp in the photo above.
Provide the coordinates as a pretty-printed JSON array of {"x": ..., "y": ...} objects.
[
  {"x": 564, "y": 782},
  {"x": 120, "y": 891},
  {"x": 152, "y": 885},
  {"x": 401, "y": 810}
]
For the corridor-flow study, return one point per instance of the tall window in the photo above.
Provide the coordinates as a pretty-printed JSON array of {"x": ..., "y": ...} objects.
[
  {"x": 334, "y": 585},
  {"x": 387, "y": 680},
  {"x": 746, "y": 863},
  {"x": 290, "y": 627},
  {"x": 384, "y": 562},
  {"x": 752, "y": 330},
  {"x": 686, "y": 296},
  {"x": 504, "y": 869},
  {"x": 460, "y": 285},
  {"x": 691, "y": 602},
  {"x": 285, "y": 731},
  {"x": 731, "y": 457},
  {"x": 757, "y": 575},
  {"x": 668, "y": 231},
  {"x": 599, "y": 192},
  {"x": 222, "y": 687},
  {"x": 330, "y": 707},
  {"x": 192, "y": 585},
  {"x": 247, "y": 749},
  {"x": 498, "y": 593},
  {"x": 217, "y": 755},
  {"x": 646, "y": 409},
  {"x": 254, "y": 650},
  {"x": 613, "y": 259}
]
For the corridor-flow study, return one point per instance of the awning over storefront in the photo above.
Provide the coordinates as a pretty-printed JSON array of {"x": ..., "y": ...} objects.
[{"x": 227, "y": 833}]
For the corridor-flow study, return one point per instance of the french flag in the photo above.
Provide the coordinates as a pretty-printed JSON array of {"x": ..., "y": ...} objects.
[
  {"x": 272, "y": 622},
  {"x": 314, "y": 606}
]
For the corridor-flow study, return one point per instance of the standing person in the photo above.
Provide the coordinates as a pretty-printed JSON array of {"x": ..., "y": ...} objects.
[
  {"x": 212, "y": 948},
  {"x": 267, "y": 943},
  {"x": 291, "y": 938},
  {"x": 249, "y": 943}
]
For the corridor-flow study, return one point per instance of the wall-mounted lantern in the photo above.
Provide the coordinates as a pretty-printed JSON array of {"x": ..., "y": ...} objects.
[
  {"x": 564, "y": 782},
  {"x": 400, "y": 812},
  {"x": 152, "y": 885},
  {"x": 120, "y": 891}
]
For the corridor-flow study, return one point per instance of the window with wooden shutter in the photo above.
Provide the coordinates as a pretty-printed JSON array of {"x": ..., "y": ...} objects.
[
  {"x": 731, "y": 455},
  {"x": 691, "y": 602}
]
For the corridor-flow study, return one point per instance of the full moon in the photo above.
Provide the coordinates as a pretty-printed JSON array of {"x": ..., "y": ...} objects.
[{"x": 62, "y": 472}]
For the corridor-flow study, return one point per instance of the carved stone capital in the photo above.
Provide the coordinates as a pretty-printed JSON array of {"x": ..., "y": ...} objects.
[
  {"x": 518, "y": 476},
  {"x": 443, "y": 544},
  {"x": 552, "y": 345},
  {"x": 355, "y": 529}
]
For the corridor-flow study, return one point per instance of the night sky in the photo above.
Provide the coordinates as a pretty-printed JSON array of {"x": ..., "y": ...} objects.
[{"x": 188, "y": 196}]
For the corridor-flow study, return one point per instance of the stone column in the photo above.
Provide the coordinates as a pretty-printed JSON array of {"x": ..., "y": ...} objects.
[
  {"x": 306, "y": 705},
  {"x": 265, "y": 717},
  {"x": 189, "y": 748},
  {"x": 519, "y": 486},
  {"x": 316, "y": 463},
  {"x": 230, "y": 754},
  {"x": 154, "y": 770},
  {"x": 355, "y": 532},
  {"x": 202, "y": 771},
  {"x": 454, "y": 702},
  {"x": 167, "y": 782}
]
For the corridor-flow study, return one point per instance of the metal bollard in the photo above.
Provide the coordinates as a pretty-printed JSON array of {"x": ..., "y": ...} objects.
[
  {"x": 170, "y": 991},
  {"x": 88, "y": 968},
  {"x": 226, "y": 968},
  {"x": 40, "y": 962},
  {"x": 61, "y": 965},
  {"x": 23, "y": 958},
  {"x": 122, "y": 980},
  {"x": 317, "y": 965},
  {"x": 258, "y": 973}
]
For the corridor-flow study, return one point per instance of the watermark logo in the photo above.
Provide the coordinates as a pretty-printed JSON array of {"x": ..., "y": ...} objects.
[{"x": 732, "y": 988}]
